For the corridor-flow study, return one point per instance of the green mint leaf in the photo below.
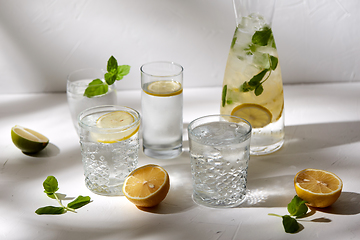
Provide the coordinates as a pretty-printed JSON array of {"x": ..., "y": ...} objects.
[
  {"x": 223, "y": 96},
  {"x": 290, "y": 224},
  {"x": 50, "y": 185},
  {"x": 255, "y": 80},
  {"x": 262, "y": 37},
  {"x": 122, "y": 71},
  {"x": 297, "y": 207},
  {"x": 258, "y": 90},
  {"x": 96, "y": 87},
  {"x": 50, "y": 210},
  {"x": 234, "y": 38},
  {"x": 273, "y": 62},
  {"x": 79, "y": 202},
  {"x": 110, "y": 77},
  {"x": 112, "y": 65}
]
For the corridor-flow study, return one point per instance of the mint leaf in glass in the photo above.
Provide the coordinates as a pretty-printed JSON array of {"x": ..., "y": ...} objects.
[
  {"x": 112, "y": 64},
  {"x": 95, "y": 88},
  {"x": 223, "y": 96},
  {"x": 262, "y": 37},
  {"x": 122, "y": 71}
]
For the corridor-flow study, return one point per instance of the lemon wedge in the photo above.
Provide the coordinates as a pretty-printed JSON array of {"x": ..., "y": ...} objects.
[
  {"x": 27, "y": 140},
  {"x": 164, "y": 88},
  {"x": 257, "y": 115},
  {"x": 118, "y": 126},
  {"x": 147, "y": 186}
]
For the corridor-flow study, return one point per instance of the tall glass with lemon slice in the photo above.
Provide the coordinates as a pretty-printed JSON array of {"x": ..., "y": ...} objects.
[
  {"x": 109, "y": 139},
  {"x": 252, "y": 86},
  {"x": 162, "y": 107}
]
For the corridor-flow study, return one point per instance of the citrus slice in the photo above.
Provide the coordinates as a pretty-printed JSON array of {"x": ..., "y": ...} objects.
[
  {"x": 118, "y": 126},
  {"x": 257, "y": 115},
  {"x": 27, "y": 140},
  {"x": 164, "y": 88},
  {"x": 147, "y": 186},
  {"x": 319, "y": 188}
]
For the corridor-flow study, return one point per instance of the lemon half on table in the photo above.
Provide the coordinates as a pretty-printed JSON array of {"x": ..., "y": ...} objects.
[
  {"x": 319, "y": 188},
  {"x": 27, "y": 140},
  {"x": 147, "y": 186},
  {"x": 119, "y": 126},
  {"x": 257, "y": 115}
]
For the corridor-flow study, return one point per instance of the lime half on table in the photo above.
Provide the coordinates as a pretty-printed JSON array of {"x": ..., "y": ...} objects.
[{"x": 27, "y": 140}]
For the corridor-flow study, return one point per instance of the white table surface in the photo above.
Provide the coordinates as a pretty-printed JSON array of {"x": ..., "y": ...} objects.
[{"x": 322, "y": 131}]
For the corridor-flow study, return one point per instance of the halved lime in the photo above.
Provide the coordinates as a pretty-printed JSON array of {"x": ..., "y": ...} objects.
[
  {"x": 164, "y": 88},
  {"x": 118, "y": 127},
  {"x": 27, "y": 140},
  {"x": 257, "y": 115}
]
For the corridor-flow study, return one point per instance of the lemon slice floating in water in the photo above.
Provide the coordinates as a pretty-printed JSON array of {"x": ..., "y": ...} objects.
[
  {"x": 257, "y": 115},
  {"x": 147, "y": 186},
  {"x": 164, "y": 88},
  {"x": 118, "y": 126},
  {"x": 27, "y": 140}
]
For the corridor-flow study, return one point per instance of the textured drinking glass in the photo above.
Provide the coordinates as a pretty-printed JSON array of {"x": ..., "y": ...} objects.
[
  {"x": 108, "y": 154},
  {"x": 77, "y": 82},
  {"x": 219, "y": 155},
  {"x": 162, "y": 109}
]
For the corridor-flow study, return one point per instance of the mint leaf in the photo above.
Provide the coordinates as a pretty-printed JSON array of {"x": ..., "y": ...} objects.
[
  {"x": 234, "y": 38},
  {"x": 223, "y": 96},
  {"x": 262, "y": 37},
  {"x": 297, "y": 207},
  {"x": 79, "y": 202},
  {"x": 273, "y": 62},
  {"x": 122, "y": 71},
  {"x": 50, "y": 185},
  {"x": 110, "y": 78},
  {"x": 112, "y": 64},
  {"x": 96, "y": 87},
  {"x": 255, "y": 80},
  {"x": 290, "y": 224},
  {"x": 50, "y": 210},
  {"x": 258, "y": 90}
]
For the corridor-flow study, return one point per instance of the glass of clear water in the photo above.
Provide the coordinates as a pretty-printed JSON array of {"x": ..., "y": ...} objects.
[
  {"x": 162, "y": 109},
  {"x": 109, "y": 140},
  {"x": 219, "y": 155},
  {"x": 77, "y": 82}
]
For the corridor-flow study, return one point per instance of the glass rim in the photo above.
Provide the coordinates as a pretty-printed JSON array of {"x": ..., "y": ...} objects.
[
  {"x": 107, "y": 109},
  {"x": 223, "y": 116},
  {"x": 162, "y": 62},
  {"x": 83, "y": 69}
]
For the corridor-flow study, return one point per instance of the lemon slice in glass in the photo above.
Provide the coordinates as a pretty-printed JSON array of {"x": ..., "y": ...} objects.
[
  {"x": 27, "y": 140},
  {"x": 257, "y": 115},
  {"x": 164, "y": 88},
  {"x": 115, "y": 127}
]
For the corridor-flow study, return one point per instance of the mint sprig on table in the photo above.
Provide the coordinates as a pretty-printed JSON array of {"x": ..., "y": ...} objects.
[
  {"x": 114, "y": 73},
  {"x": 51, "y": 187},
  {"x": 269, "y": 63},
  {"x": 297, "y": 209}
]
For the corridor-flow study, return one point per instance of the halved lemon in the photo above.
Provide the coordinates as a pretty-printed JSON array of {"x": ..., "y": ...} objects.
[
  {"x": 27, "y": 140},
  {"x": 319, "y": 188},
  {"x": 119, "y": 126},
  {"x": 257, "y": 115},
  {"x": 164, "y": 88},
  {"x": 147, "y": 186}
]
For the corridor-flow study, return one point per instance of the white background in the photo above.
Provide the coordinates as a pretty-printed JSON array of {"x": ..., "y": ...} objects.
[{"x": 41, "y": 41}]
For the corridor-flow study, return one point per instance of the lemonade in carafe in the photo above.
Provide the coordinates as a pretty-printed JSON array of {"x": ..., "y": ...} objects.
[{"x": 252, "y": 86}]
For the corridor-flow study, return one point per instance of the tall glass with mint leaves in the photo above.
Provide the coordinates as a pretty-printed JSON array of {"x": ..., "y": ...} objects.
[{"x": 252, "y": 85}]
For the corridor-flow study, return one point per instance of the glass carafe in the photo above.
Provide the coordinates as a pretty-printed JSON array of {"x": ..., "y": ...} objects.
[{"x": 252, "y": 86}]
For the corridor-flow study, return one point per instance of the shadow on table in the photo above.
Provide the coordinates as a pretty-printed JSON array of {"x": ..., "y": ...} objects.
[
  {"x": 51, "y": 150},
  {"x": 347, "y": 204}
]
